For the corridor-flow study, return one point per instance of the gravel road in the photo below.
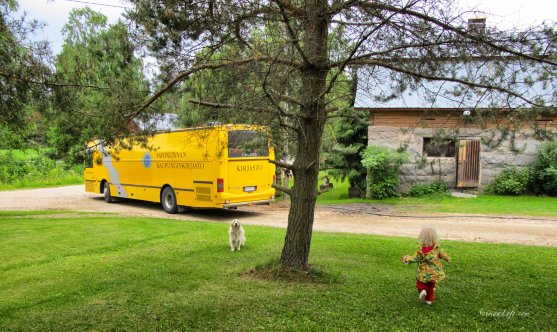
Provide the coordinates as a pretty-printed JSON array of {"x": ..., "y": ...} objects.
[{"x": 351, "y": 218}]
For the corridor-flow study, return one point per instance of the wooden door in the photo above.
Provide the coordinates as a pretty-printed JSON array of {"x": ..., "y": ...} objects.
[{"x": 468, "y": 164}]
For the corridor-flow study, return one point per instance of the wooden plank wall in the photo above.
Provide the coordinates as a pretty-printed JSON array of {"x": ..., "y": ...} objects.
[{"x": 437, "y": 118}]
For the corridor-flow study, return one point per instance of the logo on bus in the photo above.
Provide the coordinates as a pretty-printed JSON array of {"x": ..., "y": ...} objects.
[{"x": 147, "y": 160}]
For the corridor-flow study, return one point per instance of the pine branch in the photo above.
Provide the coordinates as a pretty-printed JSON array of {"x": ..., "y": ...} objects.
[
  {"x": 391, "y": 66},
  {"x": 282, "y": 164},
  {"x": 209, "y": 66},
  {"x": 459, "y": 31},
  {"x": 283, "y": 189}
]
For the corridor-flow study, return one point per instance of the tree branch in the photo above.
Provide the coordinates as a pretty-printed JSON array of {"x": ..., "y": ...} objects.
[
  {"x": 286, "y": 21},
  {"x": 321, "y": 192},
  {"x": 281, "y": 164},
  {"x": 281, "y": 188},
  {"x": 251, "y": 108},
  {"x": 293, "y": 10},
  {"x": 209, "y": 104},
  {"x": 286, "y": 97},
  {"x": 209, "y": 66},
  {"x": 388, "y": 65},
  {"x": 358, "y": 45},
  {"x": 268, "y": 95},
  {"x": 55, "y": 84},
  {"x": 458, "y": 31}
]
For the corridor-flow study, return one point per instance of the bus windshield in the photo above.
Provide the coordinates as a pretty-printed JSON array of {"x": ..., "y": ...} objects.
[{"x": 247, "y": 143}]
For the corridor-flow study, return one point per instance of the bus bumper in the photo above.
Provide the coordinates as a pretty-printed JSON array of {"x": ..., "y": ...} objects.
[{"x": 233, "y": 205}]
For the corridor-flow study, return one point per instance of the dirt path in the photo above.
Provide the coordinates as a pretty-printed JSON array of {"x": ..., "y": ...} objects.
[{"x": 352, "y": 218}]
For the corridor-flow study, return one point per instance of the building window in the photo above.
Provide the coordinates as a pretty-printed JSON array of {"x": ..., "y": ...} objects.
[{"x": 432, "y": 148}]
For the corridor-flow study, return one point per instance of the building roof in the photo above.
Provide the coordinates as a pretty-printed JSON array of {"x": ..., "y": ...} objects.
[
  {"x": 379, "y": 87},
  {"x": 159, "y": 122}
]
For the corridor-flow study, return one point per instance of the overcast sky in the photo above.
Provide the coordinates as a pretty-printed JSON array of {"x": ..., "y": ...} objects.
[{"x": 505, "y": 13}]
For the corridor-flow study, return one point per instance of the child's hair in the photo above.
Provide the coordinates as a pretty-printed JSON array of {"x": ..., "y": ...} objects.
[{"x": 428, "y": 237}]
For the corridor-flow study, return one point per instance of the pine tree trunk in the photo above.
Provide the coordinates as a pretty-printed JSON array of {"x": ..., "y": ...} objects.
[{"x": 306, "y": 165}]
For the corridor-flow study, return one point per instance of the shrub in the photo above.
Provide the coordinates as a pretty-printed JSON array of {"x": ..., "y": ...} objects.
[
  {"x": 11, "y": 168},
  {"x": 511, "y": 181},
  {"x": 543, "y": 172},
  {"x": 35, "y": 168},
  {"x": 382, "y": 166},
  {"x": 429, "y": 189}
]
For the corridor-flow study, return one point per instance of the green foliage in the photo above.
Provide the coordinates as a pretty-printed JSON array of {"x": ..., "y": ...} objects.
[
  {"x": 88, "y": 271},
  {"x": 103, "y": 84},
  {"x": 428, "y": 189},
  {"x": 543, "y": 171},
  {"x": 226, "y": 86},
  {"x": 382, "y": 166},
  {"x": 23, "y": 73},
  {"x": 10, "y": 138},
  {"x": 511, "y": 181},
  {"x": 343, "y": 158},
  {"x": 35, "y": 170}
]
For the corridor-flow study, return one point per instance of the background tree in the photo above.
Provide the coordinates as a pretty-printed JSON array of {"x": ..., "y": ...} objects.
[
  {"x": 103, "y": 82},
  {"x": 23, "y": 72},
  {"x": 281, "y": 43},
  {"x": 343, "y": 158}
]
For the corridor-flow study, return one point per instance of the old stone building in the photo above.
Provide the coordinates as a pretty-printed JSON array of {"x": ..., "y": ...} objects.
[{"x": 462, "y": 139}]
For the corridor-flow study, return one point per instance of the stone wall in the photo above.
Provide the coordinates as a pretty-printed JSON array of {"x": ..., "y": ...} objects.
[{"x": 424, "y": 170}]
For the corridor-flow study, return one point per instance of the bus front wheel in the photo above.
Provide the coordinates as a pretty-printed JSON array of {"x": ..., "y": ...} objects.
[
  {"x": 168, "y": 200},
  {"x": 107, "y": 196}
]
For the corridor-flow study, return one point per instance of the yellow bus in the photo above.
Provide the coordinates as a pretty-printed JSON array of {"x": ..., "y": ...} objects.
[{"x": 221, "y": 166}]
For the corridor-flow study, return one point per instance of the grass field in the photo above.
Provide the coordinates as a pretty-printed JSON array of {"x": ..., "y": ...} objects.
[
  {"x": 483, "y": 204},
  {"x": 99, "y": 272},
  {"x": 44, "y": 182},
  {"x": 25, "y": 153}
]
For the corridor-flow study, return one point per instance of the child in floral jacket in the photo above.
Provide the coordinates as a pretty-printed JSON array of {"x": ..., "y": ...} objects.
[{"x": 430, "y": 270}]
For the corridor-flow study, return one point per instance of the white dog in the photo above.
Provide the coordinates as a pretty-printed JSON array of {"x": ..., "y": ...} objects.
[{"x": 236, "y": 235}]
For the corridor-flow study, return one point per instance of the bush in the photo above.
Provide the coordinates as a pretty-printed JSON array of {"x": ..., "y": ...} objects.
[
  {"x": 14, "y": 169},
  {"x": 543, "y": 172},
  {"x": 511, "y": 181},
  {"x": 429, "y": 189},
  {"x": 382, "y": 166}
]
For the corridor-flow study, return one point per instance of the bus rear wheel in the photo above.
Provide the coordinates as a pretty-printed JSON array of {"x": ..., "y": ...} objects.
[
  {"x": 107, "y": 196},
  {"x": 168, "y": 200}
]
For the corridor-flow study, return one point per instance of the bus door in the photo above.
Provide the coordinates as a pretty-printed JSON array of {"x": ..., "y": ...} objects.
[{"x": 88, "y": 173}]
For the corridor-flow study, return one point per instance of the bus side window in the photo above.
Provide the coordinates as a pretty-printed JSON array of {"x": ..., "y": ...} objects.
[{"x": 88, "y": 158}]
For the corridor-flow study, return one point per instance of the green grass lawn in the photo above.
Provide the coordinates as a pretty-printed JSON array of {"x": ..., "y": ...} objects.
[
  {"x": 483, "y": 204},
  {"x": 100, "y": 272},
  {"x": 44, "y": 182},
  {"x": 23, "y": 153}
]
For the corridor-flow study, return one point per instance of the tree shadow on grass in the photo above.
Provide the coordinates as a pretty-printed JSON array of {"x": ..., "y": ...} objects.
[{"x": 274, "y": 271}]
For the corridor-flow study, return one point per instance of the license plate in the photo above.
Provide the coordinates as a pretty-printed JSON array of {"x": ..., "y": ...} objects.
[{"x": 250, "y": 189}]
